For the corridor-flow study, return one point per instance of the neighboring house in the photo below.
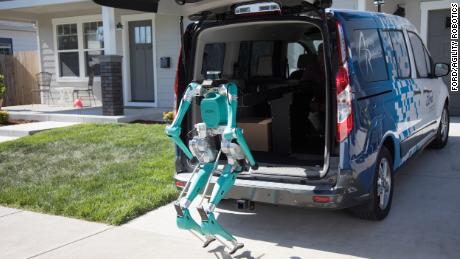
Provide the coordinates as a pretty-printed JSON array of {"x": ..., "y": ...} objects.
[
  {"x": 73, "y": 32},
  {"x": 17, "y": 37}
]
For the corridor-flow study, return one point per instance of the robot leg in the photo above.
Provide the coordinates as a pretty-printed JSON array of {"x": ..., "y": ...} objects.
[
  {"x": 209, "y": 223},
  {"x": 197, "y": 184}
]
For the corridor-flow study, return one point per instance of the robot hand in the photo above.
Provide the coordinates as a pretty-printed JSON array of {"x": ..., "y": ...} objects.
[{"x": 172, "y": 131}]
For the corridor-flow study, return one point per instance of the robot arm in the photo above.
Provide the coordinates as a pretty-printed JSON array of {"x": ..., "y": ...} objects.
[
  {"x": 232, "y": 132},
  {"x": 174, "y": 130}
]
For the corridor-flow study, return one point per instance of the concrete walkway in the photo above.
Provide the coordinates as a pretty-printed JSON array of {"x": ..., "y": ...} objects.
[
  {"x": 423, "y": 223},
  {"x": 26, "y": 234},
  {"x": 9, "y": 133},
  {"x": 41, "y": 112}
]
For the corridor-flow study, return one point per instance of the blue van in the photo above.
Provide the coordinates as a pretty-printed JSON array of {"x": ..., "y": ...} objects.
[{"x": 332, "y": 102}]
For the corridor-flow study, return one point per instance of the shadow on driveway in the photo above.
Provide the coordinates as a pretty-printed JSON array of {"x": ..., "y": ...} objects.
[{"x": 424, "y": 221}]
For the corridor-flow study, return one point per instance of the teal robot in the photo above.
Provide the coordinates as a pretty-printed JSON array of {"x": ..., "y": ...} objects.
[{"x": 218, "y": 111}]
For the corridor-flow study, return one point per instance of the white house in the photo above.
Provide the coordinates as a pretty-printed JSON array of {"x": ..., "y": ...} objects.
[{"x": 73, "y": 32}]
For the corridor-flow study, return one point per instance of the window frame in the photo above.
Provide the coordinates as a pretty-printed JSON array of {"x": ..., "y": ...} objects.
[
  {"x": 79, "y": 21},
  {"x": 407, "y": 50},
  {"x": 8, "y": 41},
  {"x": 425, "y": 51}
]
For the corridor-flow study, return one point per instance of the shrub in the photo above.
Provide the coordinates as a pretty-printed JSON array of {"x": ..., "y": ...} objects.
[
  {"x": 2, "y": 86},
  {"x": 168, "y": 117},
  {"x": 4, "y": 117}
]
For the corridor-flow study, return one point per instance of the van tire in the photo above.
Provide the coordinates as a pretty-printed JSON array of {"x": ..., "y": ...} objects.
[
  {"x": 372, "y": 209},
  {"x": 442, "y": 136}
]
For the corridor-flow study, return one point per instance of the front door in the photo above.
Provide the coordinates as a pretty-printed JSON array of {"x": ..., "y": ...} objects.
[
  {"x": 141, "y": 61},
  {"x": 439, "y": 46}
]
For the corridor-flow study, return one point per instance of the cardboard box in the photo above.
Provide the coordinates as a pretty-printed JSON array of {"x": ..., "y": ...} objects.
[{"x": 257, "y": 132}]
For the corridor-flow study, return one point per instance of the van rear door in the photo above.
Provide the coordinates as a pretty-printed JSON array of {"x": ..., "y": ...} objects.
[{"x": 196, "y": 6}]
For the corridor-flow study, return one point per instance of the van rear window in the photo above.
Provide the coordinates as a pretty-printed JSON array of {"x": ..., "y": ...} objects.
[{"x": 368, "y": 55}]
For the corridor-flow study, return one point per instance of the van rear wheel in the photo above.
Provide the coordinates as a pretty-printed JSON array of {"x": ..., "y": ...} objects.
[
  {"x": 443, "y": 131},
  {"x": 379, "y": 204}
]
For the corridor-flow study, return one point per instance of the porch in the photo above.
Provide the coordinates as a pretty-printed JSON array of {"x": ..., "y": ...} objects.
[{"x": 40, "y": 112}]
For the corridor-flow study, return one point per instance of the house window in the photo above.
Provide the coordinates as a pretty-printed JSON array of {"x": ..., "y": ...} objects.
[
  {"x": 94, "y": 46},
  {"x": 67, "y": 41},
  {"x": 143, "y": 35},
  {"x": 79, "y": 46},
  {"x": 6, "y": 46}
]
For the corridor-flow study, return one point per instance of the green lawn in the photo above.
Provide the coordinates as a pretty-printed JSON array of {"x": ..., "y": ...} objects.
[{"x": 105, "y": 173}]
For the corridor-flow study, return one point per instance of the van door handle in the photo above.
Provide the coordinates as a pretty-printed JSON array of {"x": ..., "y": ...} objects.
[
  {"x": 417, "y": 92},
  {"x": 427, "y": 90}
]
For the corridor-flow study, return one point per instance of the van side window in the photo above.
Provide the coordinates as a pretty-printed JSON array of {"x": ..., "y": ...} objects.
[
  {"x": 256, "y": 59},
  {"x": 262, "y": 58},
  {"x": 368, "y": 53},
  {"x": 213, "y": 58},
  {"x": 294, "y": 51},
  {"x": 421, "y": 57},
  {"x": 401, "y": 54}
]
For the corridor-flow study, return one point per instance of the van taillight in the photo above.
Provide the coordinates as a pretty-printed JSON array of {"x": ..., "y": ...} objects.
[{"x": 344, "y": 95}]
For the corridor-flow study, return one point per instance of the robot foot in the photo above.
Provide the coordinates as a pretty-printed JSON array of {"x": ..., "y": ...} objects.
[
  {"x": 185, "y": 221},
  {"x": 211, "y": 227},
  {"x": 236, "y": 246},
  {"x": 208, "y": 241}
]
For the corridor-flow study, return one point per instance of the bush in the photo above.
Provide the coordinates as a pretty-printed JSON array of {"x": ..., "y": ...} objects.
[
  {"x": 2, "y": 86},
  {"x": 4, "y": 117},
  {"x": 168, "y": 117}
]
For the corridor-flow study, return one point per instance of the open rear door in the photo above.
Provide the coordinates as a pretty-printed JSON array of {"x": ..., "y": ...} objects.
[{"x": 196, "y": 6}]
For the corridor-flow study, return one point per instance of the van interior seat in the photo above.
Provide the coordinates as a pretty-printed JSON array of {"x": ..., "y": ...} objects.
[{"x": 304, "y": 63}]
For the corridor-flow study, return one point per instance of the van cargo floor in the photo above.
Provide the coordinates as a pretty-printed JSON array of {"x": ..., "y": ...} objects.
[{"x": 297, "y": 159}]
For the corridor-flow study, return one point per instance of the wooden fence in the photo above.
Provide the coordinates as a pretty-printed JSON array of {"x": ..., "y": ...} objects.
[{"x": 19, "y": 71}]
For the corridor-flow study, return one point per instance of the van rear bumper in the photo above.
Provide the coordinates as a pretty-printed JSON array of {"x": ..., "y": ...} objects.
[{"x": 343, "y": 195}]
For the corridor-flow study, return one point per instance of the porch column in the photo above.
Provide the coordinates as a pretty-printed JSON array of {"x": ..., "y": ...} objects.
[
  {"x": 111, "y": 72},
  {"x": 110, "y": 40}
]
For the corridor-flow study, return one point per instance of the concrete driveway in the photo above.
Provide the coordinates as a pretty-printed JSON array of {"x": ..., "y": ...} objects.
[{"x": 424, "y": 223}]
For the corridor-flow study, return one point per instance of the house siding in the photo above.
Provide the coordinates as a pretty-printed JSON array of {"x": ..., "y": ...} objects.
[
  {"x": 22, "y": 40},
  {"x": 345, "y": 4},
  {"x": 168, "y": 45}
]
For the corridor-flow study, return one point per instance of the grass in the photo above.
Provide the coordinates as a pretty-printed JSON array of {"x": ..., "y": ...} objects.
[{"x": 104, "y": 173}]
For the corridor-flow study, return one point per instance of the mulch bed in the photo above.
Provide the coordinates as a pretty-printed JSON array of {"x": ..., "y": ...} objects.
[{"x": 148, "y": 122}]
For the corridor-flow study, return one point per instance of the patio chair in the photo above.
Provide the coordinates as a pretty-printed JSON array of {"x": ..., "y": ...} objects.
[
  {"x": 89, "y": 91},
  {"x": 44, "y": 85}
]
